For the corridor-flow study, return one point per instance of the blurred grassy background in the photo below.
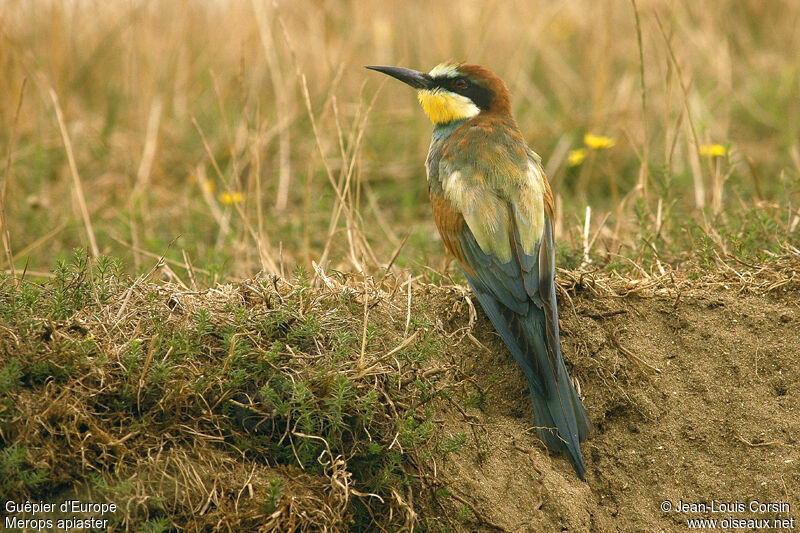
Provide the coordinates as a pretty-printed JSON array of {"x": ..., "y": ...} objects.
[{"x": 239, "y": 136}]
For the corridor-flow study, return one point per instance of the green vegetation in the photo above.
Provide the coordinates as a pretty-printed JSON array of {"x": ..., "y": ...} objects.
[
  {"x": 267, "y": 374},
  {"x": 17, "y": 476}
]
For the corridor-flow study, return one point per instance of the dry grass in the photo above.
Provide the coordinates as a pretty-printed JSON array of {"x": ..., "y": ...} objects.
[
  {"x": 191, "y": 405},
  {"x": 174, "y": 109},
  {"x": 259, "y": 405}
]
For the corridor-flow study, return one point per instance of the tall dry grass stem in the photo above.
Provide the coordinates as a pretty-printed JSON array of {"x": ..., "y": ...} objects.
[
  {"x": 694, "y": 150},
  {"x": 76, "y": 178},
  {"x": 4, "y": 231}
]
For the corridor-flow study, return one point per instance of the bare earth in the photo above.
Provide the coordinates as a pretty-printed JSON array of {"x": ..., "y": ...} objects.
[{"x": 694, "y": 398}]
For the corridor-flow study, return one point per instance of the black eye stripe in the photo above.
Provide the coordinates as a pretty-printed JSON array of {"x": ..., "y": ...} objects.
[{"x": 480, "y": 95}]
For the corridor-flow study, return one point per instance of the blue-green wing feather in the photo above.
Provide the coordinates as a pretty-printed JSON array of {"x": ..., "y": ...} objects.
[
  {"x": 504, "y": 281},
  {"x": 519, "y": 299}
]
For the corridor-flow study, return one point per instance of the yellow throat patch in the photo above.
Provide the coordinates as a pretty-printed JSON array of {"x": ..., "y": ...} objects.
[{"x": 442, "y": 106}]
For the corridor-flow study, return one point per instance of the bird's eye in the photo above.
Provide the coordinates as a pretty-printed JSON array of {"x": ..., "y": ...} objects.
[{"x": 460, "y": 83}]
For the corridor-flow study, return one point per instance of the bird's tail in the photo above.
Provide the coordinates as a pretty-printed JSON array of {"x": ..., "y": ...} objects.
[{"x": 561, "y": 420}]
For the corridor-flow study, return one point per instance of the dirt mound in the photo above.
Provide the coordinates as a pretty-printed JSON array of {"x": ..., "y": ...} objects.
[
  {"x": 694, "y": 393},
  {"x": 364, "y": 405}
]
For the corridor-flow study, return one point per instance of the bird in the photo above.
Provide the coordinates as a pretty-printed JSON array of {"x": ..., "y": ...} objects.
[{"x": 494, "y": 210}]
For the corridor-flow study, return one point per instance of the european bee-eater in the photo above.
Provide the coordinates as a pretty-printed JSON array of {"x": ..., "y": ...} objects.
[{"x": 494, "y": 210}]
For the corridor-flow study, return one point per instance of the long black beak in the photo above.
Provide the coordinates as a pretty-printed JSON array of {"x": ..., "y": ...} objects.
[{"x": 418, "y": 80}]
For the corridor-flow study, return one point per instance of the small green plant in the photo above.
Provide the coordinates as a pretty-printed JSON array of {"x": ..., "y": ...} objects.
[
  {"x": 464, "y": 514},
  {"x": 202, "y": 322},
  {"x": 155, "y": 525},
  {"x": 273, "y": 496},
  {"x": 303, "y": 333},
  {"x": 16, "y": 474},
  {"x": 133, "y": 357},
  {"x": 476, "y": 400},
  {"x": 452, "y": 443},
  {"x": 10, "y": 376},
  {"x": 412, "y": 431}
]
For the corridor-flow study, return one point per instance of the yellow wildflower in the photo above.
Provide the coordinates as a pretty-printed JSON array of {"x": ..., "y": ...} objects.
[
  {"x": 598, "y": 142},
  {"x": 209, "y": 186},
  {"x": 713, "y": 150},
  {"x": 230, "y": 198},
  {"x": 576, "y": 157}
]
